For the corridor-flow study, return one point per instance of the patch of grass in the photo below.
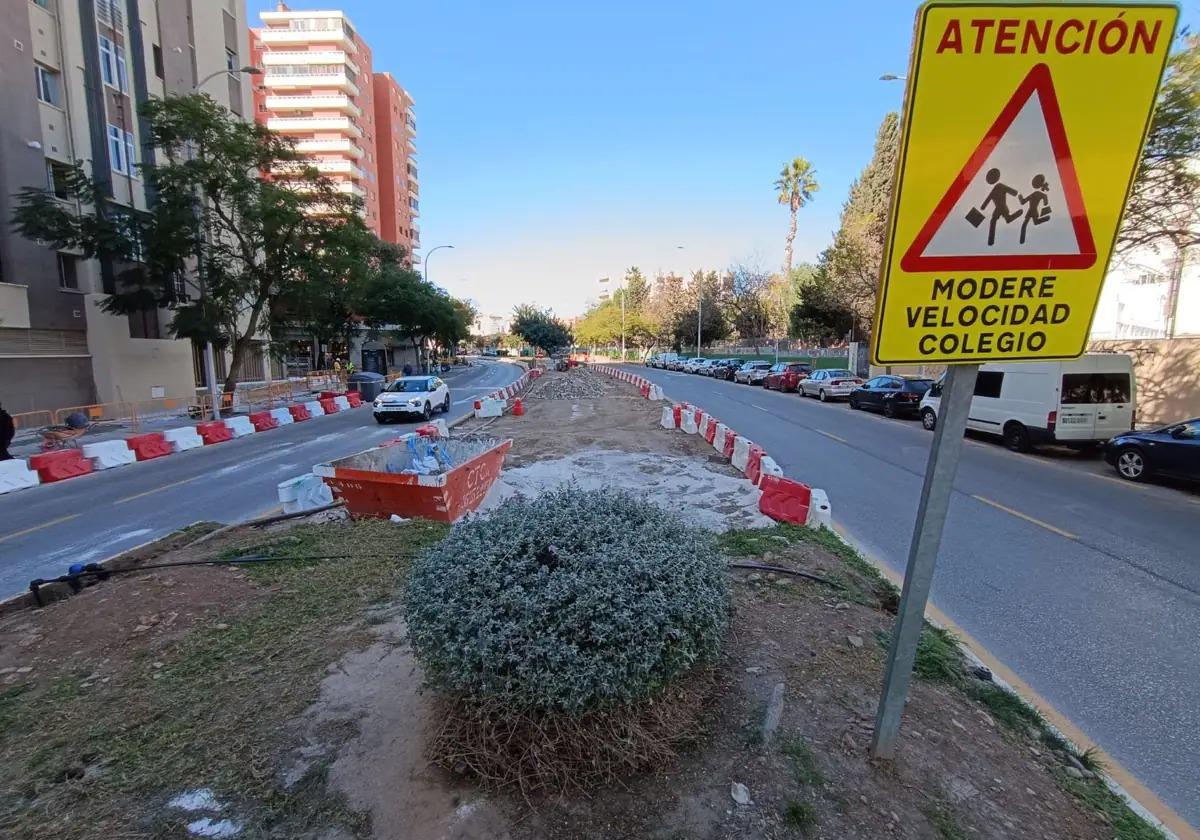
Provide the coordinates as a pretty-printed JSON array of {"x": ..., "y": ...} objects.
[
  {"x": 1007, "y": 707},
  {"x": 1094, "y": 794},
  {"x": 77, "y": 763},
  {"x": 755, "y": 542},
  {"x": 803, "y": 762},
  {"x": 799, "y": 816},
  {"x": 938, "y": 658},
  {"x": 943, "y": 821},
  {"x": 1090, "y": 758}
]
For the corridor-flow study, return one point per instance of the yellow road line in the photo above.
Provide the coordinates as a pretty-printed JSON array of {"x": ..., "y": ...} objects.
[
  {"x": 1026, "y": 517},
  {"x": 831, "y": 435},
  {"x": 157, "y": 489},
  {"x": 16, "y": 534},
  {"x": 1161, "y": 811}
]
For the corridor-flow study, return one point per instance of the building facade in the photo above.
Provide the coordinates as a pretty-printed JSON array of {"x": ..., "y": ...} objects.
[
  {"x": 357, "y": 126},
  {"x": 75, "y": 72}
]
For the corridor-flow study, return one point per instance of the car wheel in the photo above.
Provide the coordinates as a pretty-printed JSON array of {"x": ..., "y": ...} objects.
[
  {"x": 1016, "y": 437},
  {"x": 380, "y": 420},
  {"x": 446, "y": 404},
  {"x": 428, "y": 413},
  {"x": 1131, "y": 464},
  {"x": 928, "y": 419},
  {"x": 889, "y": 410},
  {"x": 854, "y": 404},
  {"x": 822, "y": 396}
]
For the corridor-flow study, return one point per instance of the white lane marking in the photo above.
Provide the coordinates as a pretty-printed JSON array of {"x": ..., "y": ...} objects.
[{"x": 760, "y": 408}]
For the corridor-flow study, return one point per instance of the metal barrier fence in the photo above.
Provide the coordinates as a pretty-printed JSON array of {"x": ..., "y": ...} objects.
[
  {"x": 115, "y": 412},
  {"x": 33, "y": 419}
]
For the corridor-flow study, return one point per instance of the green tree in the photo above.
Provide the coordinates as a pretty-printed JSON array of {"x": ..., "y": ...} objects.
[
  {"x": 818, "y": 316},
  {"x": 540, "y": 328},
  {"x": 795, "y": 185},
  {"x": 1164, "y": 205},
  {"x": 255, "y": 239},
  {"x": 636, "y": 290}
]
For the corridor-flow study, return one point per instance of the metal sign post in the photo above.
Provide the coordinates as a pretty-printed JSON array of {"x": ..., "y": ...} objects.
[{"x": 957, "y": 390}]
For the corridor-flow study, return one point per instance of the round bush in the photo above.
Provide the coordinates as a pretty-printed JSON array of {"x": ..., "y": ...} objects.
[{"x": 575, "y": 602}]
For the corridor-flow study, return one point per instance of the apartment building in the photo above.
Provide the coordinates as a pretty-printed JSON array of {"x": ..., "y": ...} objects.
[
  {"x": 75, "y": 71},
  {"x": 356, "y": 125}
]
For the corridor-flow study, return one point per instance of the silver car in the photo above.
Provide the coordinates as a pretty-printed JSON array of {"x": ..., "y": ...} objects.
[
  {"x": 752, "y": 373},
  {"x": 829, "y": 384}
]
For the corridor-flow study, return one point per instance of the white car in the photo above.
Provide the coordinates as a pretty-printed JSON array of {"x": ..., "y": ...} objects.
[
  {"x": 693, "y": 365},
  {"x": 1082, "y": 402},
  {"x": 752, "y": 373},
  {"x": 411, "y": 395},
  {"x": 829, "y": 384}
]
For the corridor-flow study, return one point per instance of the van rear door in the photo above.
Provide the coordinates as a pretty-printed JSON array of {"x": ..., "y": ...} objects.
[{"x": 1094, "y": 406}]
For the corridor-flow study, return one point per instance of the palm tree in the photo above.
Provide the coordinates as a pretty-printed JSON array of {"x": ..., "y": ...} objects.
[{"x": 796, "y": 184}]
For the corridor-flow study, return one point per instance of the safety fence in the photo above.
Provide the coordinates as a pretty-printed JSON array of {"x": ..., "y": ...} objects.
[{"x": 32, "y": 419}]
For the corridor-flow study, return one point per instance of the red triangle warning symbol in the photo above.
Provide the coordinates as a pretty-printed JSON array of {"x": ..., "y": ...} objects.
[{"x": 1016, "y": 204}]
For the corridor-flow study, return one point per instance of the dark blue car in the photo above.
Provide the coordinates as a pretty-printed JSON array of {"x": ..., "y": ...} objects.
[{"x": 1170, "y": 451}]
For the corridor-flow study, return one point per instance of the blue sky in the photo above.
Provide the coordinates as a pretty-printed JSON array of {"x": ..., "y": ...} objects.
[{"x": 560, "y": 142}]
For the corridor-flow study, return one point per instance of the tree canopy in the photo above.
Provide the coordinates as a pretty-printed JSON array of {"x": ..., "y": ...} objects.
[{"x": 540, "y": 328}]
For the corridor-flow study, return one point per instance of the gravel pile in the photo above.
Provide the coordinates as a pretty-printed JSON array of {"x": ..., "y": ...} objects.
[{"x": 576, "y": 383}]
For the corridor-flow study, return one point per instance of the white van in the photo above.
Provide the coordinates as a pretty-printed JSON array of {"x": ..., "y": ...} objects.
[{"x": 1078, "y": 403}]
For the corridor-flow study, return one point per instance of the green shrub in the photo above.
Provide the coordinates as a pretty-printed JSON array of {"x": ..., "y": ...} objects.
[{"x": 575, "y": 602}]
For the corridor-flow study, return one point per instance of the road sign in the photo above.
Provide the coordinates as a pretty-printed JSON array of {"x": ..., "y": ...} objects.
[{"x": 1023, "y": 128}]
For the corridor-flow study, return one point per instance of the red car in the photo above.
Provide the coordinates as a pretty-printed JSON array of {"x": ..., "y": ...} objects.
[{"x": 786, "y": 376}]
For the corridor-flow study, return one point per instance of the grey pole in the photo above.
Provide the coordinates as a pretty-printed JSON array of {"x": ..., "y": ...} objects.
[
  {"x": 957, "y": 390},
  {"x": 622, "y": 322},
  {"x": 429, "y": 254},
  {"x": 699, "y": 315}
]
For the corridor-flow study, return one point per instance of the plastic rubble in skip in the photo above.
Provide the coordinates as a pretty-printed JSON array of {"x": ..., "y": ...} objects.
[{"x": 417, "y": 476}]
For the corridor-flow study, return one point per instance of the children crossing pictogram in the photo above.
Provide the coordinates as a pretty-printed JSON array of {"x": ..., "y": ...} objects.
[{"x": 1000, "y": 213}]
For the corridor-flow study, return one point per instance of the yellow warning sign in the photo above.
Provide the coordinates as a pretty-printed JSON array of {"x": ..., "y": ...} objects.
[{"x": 1023, "y": 128}]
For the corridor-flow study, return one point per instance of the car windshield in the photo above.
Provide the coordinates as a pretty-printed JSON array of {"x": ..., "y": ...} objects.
[
  {"x": 758, "y": 366},
  {"x": 409, "y": 386},
  {"x": 918, "y": 385}
]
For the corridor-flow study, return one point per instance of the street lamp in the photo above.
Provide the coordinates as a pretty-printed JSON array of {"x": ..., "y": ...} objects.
[
  {"x": 429, "y": 254},
  {"x": 210, "y": 364},
  {"x": 892, "y": 77}
]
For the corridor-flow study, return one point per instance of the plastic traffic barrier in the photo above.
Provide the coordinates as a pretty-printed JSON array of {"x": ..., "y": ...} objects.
[
  {"x": 107, "y": 454},
  {"x": 820, "y": 514},
  {"x": 718, "y": 440},
  {"x": 489, "y": 407},
  {"x": 214, "y": 431},
  {"x": 149, "y": 446},
  {"x": 670, "y": 417},
  {"x": 677, "y": 413},
  {"x": 741, "y": 452},
  {"x": 656, "y": 393},
  {"x": 784, "y": 500},
  {"x": 687, "y": 422},
  {"x": 262, "y": 421},
  {"x": 644, "y": 390},
  {"x": 283, "y": 416},
  {"x": 328, "y": 406},
  {"x": 239, "y": 426},
  {"x": 314, "y": 408},
  {"x": 183, "y": 438},
  {"x": 16, "y": 475},
  {"x": 710, "y": 428},
  {"x": 768, "y": 467},
  {"x": 355, "y": 398},
  {"x": 60, "y": 465},
  {"x": 727, "y": 446},
  {"x": 754, "y": 463},
  {"x": 342, "y": 402}
]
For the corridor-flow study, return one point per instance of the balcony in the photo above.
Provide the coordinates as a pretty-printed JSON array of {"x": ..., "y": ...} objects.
[
  {"x": 291, "y": 125},
  {"x": 325, "y": 167},
  {"x": 333, "y": 102},
  {"x": 274, "y": 58},
  {"x": 315, "y": 147},
  {"x": 328, "y": 32},
  {"x": 275, "y": 80},
  {"x": 343, "y": 187}
]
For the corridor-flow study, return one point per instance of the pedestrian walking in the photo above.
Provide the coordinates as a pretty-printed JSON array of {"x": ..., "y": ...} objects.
[{"x": 8, "y": 430}]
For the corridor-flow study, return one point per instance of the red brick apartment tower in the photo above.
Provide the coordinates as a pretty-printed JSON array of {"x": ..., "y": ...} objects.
[{"x": 399, "y": 199}]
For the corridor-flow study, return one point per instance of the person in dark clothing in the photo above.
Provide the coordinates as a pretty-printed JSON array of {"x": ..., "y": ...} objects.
[
  {"x": 408, "y": 370},
  {"x": 8, "y": 430}
]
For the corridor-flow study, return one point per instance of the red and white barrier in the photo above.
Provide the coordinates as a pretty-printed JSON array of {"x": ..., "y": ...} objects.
[
  {"x": 687, "y": 422},
  {"x": 107, "y": 454},
  {"x": 768, "y": 467},
  {"x": 718, "y": 440},
  {"x": 314, "y": 408},
  {"x": 16, "y": 475},
  {"x": 240, "y": 426},
  {"x": 669, "y": 416},
  {"x": 283, "y": 416},
  {"x": 342, "y": 402},
  {"x": 741, "y": 453},
  {"x": 183, "y": 438}
]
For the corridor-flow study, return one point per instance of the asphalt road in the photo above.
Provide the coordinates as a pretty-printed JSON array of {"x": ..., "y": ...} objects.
[
  {"x": 1086, "y": 586},
  {"x": 45, "y": 529}
]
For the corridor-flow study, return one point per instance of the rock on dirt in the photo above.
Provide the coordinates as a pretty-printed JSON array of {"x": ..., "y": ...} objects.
[{"x": 739, "y": 793}]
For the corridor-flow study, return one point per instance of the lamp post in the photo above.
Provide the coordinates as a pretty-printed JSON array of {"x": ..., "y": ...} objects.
[
  {"x": 429, "y": 254},
  {"x": 892, "y": 77},
  {"x": 210, "y": 364}
]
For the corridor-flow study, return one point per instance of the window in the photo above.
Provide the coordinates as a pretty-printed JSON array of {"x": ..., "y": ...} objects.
[
  {"x": 116, "y": 150},
  {"x": 988, "y": 383},
  {"x": 68, "y": 277},
  {"x": 1185, "y": 431},
  {"x": 131, "y": 157},
  {"x": 48, "y": 88},
  {"x": 56, "y": 179},
  {"x": 112, "y": 65},
  {"x": 231, "y": 60},
  {"x": 159, "y": 69},
  {"x": 1095, "y": 388}
]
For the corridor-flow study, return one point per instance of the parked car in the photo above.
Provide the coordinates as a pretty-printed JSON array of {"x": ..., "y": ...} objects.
[
  {"x": 411, "y": 395},
  {"x": 710, "y": 367},
  {"x": 661, "y": 360},
  {"x": 727, "y": 369},
  {"x": 786, "y": 376},
  {"x": 752, "y": 373},
  {"x": 679, "y": 364},
  {"x": 829, "y": 384},
  {"x": 1171, "y": 451},
  {"x": 1083, "y": 402},
  {"x": 693, "y": 364},
  {"x": 895, "y": 396}
]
